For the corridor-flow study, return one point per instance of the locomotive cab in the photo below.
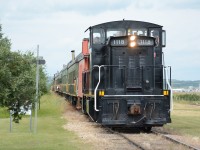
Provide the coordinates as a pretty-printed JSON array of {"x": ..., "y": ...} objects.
[{"x": 127, "y": 75}]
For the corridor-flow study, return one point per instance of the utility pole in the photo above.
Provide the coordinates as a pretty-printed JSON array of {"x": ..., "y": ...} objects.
[
  {"x": 39, "y": 61},
  {"x": 11, "y": 112},
  {"x": 36, "y": 96}
]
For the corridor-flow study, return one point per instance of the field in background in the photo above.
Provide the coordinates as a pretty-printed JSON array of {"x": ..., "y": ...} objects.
[
  {"x": 186, "y": 114},
  {"x": 50, "y": 133}
]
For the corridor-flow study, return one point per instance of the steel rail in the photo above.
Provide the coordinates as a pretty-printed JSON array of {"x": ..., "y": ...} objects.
[
  {"x": 175, "y": 141},
  {"x": 129, "y": 141}
]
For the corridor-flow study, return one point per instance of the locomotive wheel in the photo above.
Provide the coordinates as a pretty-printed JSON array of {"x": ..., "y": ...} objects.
[{"x": 147, "y": 129}]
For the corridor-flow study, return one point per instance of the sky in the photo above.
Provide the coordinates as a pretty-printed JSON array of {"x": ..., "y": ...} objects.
[{"x": 58, "y": 26}]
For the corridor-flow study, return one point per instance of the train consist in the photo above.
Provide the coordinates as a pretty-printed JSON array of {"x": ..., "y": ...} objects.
[{"x": 119, "y": 79}]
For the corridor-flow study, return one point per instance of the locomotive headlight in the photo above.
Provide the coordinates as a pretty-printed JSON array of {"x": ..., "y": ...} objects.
[
  {"x": 132, "y": 38},
  {"x": 132, "y": 41},
  {"x": 132, "y": 44}
]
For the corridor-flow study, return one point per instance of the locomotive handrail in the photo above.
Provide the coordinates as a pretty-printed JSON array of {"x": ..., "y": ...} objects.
[
  {"x": 95, "y": 90},
  {"x": 170, "y": 88},
  {"x": 133, "y": 95}
]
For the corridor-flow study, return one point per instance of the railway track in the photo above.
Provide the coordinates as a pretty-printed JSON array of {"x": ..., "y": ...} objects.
[
  {"x": 168, "y": 137},
  {"x": 131, "y": 142},
  {"x": 153, "y": 140}
]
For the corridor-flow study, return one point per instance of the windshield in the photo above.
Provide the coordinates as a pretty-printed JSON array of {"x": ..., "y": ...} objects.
[
  {"x": 155, "y": 33},
  {"x": 116, "y": 32},
  {"x": 141, "y": 32},
  {"x": 98, "y": 36}
]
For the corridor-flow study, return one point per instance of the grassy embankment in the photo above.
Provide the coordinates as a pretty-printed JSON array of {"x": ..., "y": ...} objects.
[
  {"x": 50, "y": 134},
  {"x": 186, "y": 115}
]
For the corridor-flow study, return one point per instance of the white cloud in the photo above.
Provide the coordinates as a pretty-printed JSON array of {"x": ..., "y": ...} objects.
[{"x": 58, "y": 27}]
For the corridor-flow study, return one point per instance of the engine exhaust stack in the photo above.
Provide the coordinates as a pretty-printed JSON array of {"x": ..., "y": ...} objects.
[
  {"x": 85, "y": 49},
  {"x": 73, "y": 55}
]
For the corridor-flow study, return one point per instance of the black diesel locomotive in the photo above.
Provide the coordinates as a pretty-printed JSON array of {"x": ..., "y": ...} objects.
[{"x": 120, "y": 79}]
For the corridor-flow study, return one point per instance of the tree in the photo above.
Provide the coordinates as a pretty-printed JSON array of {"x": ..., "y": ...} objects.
[
  {"x": 17, "y": 78},
  {"x": 5, "y": 73}
]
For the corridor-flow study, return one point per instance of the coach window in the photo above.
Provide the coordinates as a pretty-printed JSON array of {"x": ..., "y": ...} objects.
[
  {"x": 155, "y": 33},
  {"x": 116, "y": 32},
  {"x": 140, "y": 32},
  {"x": 98, "y": 36}
]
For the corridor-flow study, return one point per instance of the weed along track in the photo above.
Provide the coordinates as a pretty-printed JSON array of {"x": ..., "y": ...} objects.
[{"x": 100, "y": 137}]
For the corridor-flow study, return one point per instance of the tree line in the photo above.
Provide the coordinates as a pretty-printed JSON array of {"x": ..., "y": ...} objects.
[{"x": 17, "y": 78}]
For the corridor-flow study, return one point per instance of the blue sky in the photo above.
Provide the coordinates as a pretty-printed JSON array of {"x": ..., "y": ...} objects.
[{"x": 58, "y": 27}]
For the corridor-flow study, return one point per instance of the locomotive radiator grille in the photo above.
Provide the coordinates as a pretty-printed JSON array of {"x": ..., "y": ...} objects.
[{"x": 134, "y": 74}]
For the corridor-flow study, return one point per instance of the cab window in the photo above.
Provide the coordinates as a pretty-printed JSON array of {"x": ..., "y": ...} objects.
[
  {"x": 116, "y": 32},
  {"x": 98, "y": 36},
  {"x": 155, "y": 33},
  {"x": 140, "y": 32}
]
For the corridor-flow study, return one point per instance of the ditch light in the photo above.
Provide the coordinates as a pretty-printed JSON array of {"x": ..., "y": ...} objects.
[
  {"x": 101, "y": 93},
  {"x": 165, "y": 92}
]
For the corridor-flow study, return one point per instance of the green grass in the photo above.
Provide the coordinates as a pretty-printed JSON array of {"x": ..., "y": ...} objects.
[
  {"x": 185, "y": 119},
  {"x": 50, "y": 134},
  {"x": 4, "y": 112}
]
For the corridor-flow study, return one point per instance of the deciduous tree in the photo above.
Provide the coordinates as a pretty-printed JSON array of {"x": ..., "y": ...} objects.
[{"x": 17, "y": 78}]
